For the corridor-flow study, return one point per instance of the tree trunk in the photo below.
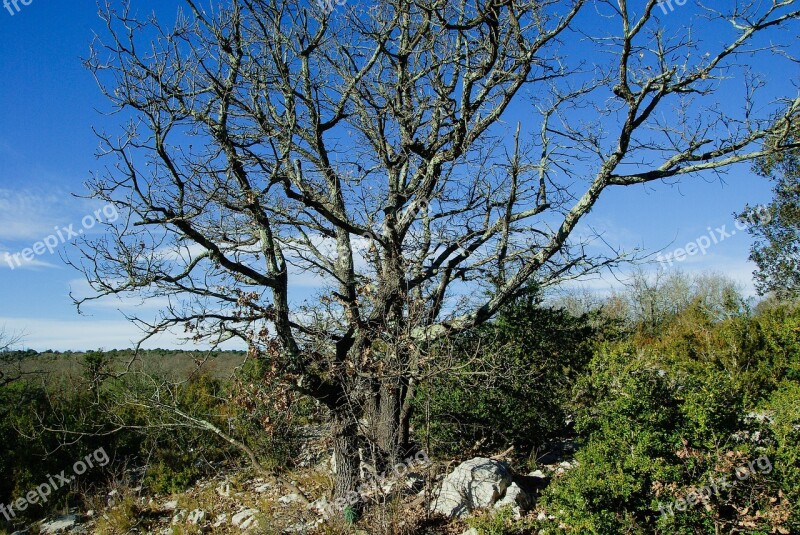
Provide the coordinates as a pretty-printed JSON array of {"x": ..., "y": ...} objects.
[
  {"x": 388, "y": 421},
  {"x": 346, "y": 459}
]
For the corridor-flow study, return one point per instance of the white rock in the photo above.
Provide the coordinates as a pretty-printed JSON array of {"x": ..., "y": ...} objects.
[
  {"x": 170, "y": 505},
  {"x": 517, "y": 499},
  {"x": 245, "y": 519},
  {"x": 320, "y": 505},
  {"x": 289, "y": 498},
  {"x": 59, "y": 525},
  {"x": 198, "y": 516},
  {"x": 332, "y": 462},
  {"x": 179, "y": 516},
  {"x": 221, "y": 520},
  {"x": 414, "y": 482},
  {"x": 304, "y": 527},
  {"x": 224, "y": 489},
  {"x": 474, "y": 484},
  {"x": 471, "y": 531},
  {"x": 264, "y": 487}
]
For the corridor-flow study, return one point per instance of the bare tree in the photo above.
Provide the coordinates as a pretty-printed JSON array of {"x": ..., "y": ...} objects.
[
  {"x": 7, "y": 342},
  {"x": 414, "y": 162}
]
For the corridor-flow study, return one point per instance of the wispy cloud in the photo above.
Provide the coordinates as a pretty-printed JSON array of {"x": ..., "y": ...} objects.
[
  {"x": 8, "y": 261},
  {"x": 27, "y": 215},
  {"x": 736, "y": 269}
]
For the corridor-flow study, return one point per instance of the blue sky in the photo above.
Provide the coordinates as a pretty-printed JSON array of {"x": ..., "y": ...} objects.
[{"x": 50, "y": 103}]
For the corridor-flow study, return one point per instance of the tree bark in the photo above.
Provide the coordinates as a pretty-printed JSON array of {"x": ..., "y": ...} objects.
[
  {"x": 388, "y": 418},
  {"x": 345, "y": 454}
]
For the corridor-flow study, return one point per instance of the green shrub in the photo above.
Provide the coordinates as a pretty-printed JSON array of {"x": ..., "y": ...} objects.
[
  {"x": 631, "y": 421},
  {"x": 500, "y": 522},
  {"x": 516, "y": 391},
  {"x": 653, "y": 433},
  {"x": 784, "y": 406}
]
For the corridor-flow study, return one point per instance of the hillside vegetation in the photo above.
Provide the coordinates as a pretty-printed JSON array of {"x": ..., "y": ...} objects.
[{"x": 681, "y": 399}]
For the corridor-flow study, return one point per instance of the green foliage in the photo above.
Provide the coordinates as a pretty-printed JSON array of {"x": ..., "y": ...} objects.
[
  {"x": 712, "y": 406},
  {"x": 784, "y": 426},
  {"x": 350, "y": 515},
  {"x": 776, "y": 227},
  {"x": 134, "y": 419},
  {"x": 510, "y": 381},
  {"x": 500, "y": 522},
  {"x": 173, "y": 472},
  {"x": 662, "y": 417},
  {"x": 631, "y": 420}
]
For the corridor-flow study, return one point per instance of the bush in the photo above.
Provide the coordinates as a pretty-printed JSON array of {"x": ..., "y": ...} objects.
[
  {"x": 631, "y": 420},
  {"x": 517, "y": 389},
  {"x": 662, "y": 420},
  {"x": 784, "y": 428},
  {"x": 132, "y": 418},
  {"x": 500, "y": 522}
]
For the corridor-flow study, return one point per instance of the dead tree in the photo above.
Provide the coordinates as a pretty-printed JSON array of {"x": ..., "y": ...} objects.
[
  {"x": 342, "y": 188},
  {"x": 9, "y": 363}
]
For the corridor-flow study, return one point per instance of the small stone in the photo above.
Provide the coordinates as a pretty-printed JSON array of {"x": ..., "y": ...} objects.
[
  {"x": 221, "y": 520},
  {"x": 59, "y": 525},
  {"x": 289, "y": 498},
  {"x": 415, "y": 482},
  {"x": 245, "y": 519},
  {"x": 264, "y": 487},
  {"x": 179, "y": 516},
  {"x": 198, "y": 516},
  {"x": 320, "y": 505},
  {"x": 515, "y": 498},
  {"x": 224, "y": 490}
]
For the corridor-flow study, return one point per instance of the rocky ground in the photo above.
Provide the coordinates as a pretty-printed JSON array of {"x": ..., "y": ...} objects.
[{"x": 435, "y": 498}]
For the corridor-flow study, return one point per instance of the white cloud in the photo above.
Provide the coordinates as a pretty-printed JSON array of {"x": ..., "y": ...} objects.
[
  {"x": 26, "y": 215},
  {"x": 736, "y": 269},
  {"x": 11, "y": 262}
]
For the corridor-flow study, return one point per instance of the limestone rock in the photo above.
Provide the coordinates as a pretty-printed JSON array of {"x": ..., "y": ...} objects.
[{"x": 474, "y": 484}]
